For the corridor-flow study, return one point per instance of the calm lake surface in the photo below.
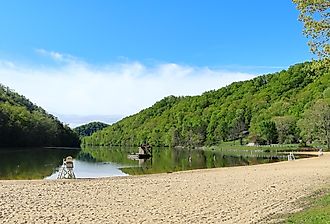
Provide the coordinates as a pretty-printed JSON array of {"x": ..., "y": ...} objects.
[{"x": 41, "y": 163}]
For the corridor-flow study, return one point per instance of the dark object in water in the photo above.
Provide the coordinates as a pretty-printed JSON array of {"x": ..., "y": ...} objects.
[
  {"x": 145, "y": 149},
  {"x": 144, "y": 156},
  {"x": 145, "y": 152}
]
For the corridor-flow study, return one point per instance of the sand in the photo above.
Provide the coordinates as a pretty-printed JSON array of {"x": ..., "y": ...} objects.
[{"x": 253, "y": 194}]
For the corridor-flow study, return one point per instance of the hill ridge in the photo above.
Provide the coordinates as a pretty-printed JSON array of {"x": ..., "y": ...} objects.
[
  {"x": 22, "y": 123},
  {"x": 258, "y": 106}
]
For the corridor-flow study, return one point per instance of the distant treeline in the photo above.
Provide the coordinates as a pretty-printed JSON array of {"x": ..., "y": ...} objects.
[
  {"x": 90, "y": 128},
  {"x": 24, "y": 124},
  {"x": 285, "y": 107}
]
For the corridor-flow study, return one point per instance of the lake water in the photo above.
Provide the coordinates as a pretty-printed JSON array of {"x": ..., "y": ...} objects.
[{"x": 41, "y": 163}]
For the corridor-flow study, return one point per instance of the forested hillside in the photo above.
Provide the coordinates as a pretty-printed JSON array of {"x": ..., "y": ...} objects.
[
  {"x": 285, "y": 107},
  {"x": 24, "y": 124},
  {"x": 89, "y": 129}
]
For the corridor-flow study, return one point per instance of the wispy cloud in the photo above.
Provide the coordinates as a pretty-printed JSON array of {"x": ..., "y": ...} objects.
[
  {"x": 255, "y": 69},
  {"x": 116, "y": 89},
  {"x": 56, "y": 56}
]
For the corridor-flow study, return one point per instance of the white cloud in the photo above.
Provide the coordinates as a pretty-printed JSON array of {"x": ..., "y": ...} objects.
[
  {"x": 56, "y": 56},
  {"x": 118, "y": 89}
]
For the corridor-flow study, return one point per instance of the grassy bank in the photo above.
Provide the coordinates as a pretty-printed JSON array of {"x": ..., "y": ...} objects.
[
  {"x": 235, "y": 145},
  {"x": 275, "y": 147},
  {"x": 317, "y": 211}
]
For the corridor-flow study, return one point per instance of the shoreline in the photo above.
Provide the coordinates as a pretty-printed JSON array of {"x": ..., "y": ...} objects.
[{"x": 242, "y": 194}]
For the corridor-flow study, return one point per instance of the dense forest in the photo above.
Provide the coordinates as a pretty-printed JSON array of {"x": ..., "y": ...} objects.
[
  {"x": 290, "y": 106},
  {"x": 24, "y": 124},
  {"x": 90, "y": 128}
]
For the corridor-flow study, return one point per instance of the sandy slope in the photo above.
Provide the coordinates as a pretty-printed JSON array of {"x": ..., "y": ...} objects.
[{"x": 226, "y": 195}]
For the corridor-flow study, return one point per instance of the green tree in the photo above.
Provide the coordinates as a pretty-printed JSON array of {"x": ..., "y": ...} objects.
[
  {"x": 315, "y": 15},
  {"x": 316, "y": 122},
  {"x": 285, "y": 126},
  {"x": 306, "y": 130},
  {"x": 238, "y": 125},
  {"x": 326, "y": 93},
  {"x": 321, "y": 117},
  {"x": 268, "y": 131}
]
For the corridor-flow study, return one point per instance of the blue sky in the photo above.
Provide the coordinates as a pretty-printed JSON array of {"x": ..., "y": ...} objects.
[
  {"x": 210, "y": 42},
  {"x": 202, "y": 33}
]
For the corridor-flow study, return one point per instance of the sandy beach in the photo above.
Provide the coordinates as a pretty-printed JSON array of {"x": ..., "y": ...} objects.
[{"x": 253, "y": 194}]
